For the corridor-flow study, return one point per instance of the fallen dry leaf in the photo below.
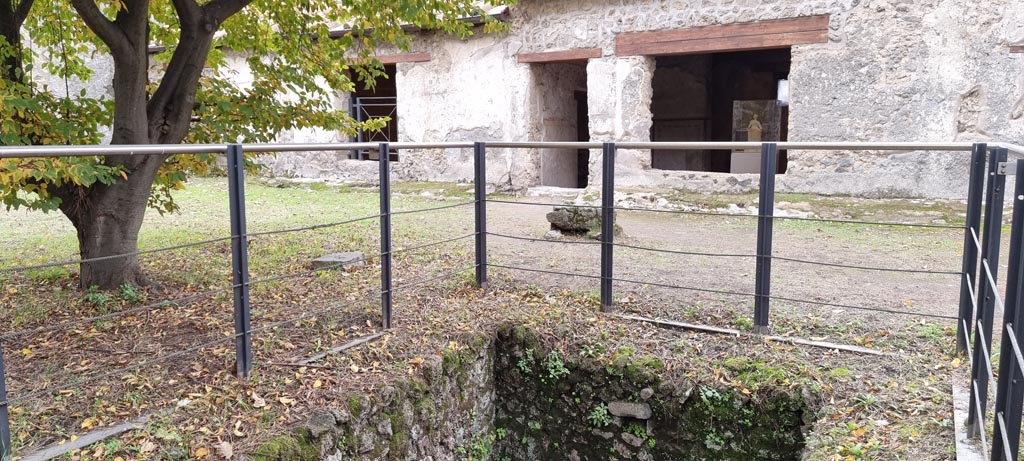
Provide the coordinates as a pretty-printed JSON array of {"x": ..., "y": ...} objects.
[
  {"x": 257, "y": 401},
  {"x": 147, "y": 447},
  {"x": 225, "y": 450}
]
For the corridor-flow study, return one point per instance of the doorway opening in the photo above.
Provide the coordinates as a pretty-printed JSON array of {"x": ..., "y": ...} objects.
[
  {"x": 561, "y": 100},
  {"x": 715, "y": 97},
  {"x": 377, "y": 102}
]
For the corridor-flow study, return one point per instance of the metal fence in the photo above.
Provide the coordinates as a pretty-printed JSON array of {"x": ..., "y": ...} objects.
[
  {"x": 983, "y": 296},
  {"x": 978, "y": 299}
]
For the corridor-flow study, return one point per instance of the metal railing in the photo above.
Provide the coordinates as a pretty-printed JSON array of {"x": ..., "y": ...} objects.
[
  {"x": 365, "y": 108},
  {"x": 1005, "y": 444},
  {"x": 978, "y": 299}
]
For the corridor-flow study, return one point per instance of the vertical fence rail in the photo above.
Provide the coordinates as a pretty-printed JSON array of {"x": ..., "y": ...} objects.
[
  {"x": 607, "y": 224},
  {"x": 480, "y": 187},
  {"x": 239, "y": 261},
  {"x": 975, "y": 189},
  {"x": 765, "y": 222},
  {"x": 5, "y": 418},
  {"x": 986, "y": 292},
  {"x": 1010, "y": 386},
  {"x": 383, "y": 154}
]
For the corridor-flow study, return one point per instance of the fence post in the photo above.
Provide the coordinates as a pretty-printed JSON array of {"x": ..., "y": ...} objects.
[
  {"x": 383, "y": 154},
  {"x": 5, "y": 420},
  {"x": 975, "y": 190},
  {"x": 1010, "y": 386},
  {"x": 607, "y": 224},
  {"x": 239, "y": 261},
  {"x": 986, "y": 296},
  {"x": 480, "y": 186},
  {"x": 765, "y": 222}
]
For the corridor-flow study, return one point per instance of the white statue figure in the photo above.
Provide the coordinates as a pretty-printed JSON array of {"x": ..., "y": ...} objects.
[{"x": 754, "y": 129}]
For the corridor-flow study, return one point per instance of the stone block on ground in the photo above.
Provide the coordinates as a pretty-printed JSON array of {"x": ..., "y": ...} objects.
[
  {"x": 553, "y": 234},
  {"x": 574, "y": 219},
  {"x": 578, "y": 221},
  {"x": 348, "y": 260}
]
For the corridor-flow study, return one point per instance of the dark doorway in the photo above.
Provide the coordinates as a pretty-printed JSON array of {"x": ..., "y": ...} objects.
[
  {"x": 377, "y": 102},
  {"x": 582, "y": 135},
  {"x": 694, "y": 97}
]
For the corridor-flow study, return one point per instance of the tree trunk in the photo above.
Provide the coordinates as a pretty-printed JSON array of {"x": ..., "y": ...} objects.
[
  {"x": 12, "y": 16},
  {"x": 107, "y": 220}
]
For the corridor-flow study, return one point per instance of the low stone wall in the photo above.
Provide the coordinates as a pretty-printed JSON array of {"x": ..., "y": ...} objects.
[
  {"x": 550, "y": 407},
  {"x": 507, "y": 396},
  {"x": 429, "y": 417}
]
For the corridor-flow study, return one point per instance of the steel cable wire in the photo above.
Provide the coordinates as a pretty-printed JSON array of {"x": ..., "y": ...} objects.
[
  {"x": 726, "y": 292},
  {"x": 738, "y": 215},
  {"x": 690, "y": 253},
  {"x": 686, "y": 212},
  {"x": 424, "y": 210},
  {"x": 531, "y": 239},
  {"x": 179, "y": 247},
  {"x": 863, "y": 308},
  {"x": 567, "y": 205},
  {"x": 136, "y": 310},
  {"x": 117, "y": 256},
  {"x": 431, "y": 244},
  {"x": 313, "y": 227},
  {"x": 432, "y": 278},
  {"x": 869, "y": 223},
  {"x": 870, "y": 268},
  {"x": 170, "y": 303},
  {"x": 542, "y": 271}
]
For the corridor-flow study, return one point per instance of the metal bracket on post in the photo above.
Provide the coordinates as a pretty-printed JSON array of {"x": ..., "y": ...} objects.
[
  {"x": 6, "y": 451},
  {"x": 1004, "y": 169},
  {"x": 986, "y": 295},
  {"x": 975, "y": 191},
  {"x": 607, "y": 224},
  {"x": 383, "y": 154},
  {"x": 239, "y": 261},
  {"x": 1010, "y": 386},
  {"x": 480, "y": 187},
  {"x": 765, "y": 222}
]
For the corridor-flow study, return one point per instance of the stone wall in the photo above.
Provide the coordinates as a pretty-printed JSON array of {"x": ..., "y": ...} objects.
[
  {"x": 432, "y": 416},
  {"x": 508, "y": 396},
  {"x": 893, "y": 70}
]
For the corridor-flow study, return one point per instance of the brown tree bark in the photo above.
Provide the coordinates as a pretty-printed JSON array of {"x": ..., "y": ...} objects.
[
  {"x": 107, "y": 222},
  {"x": 108, "y": 218},
  {"x": 12, "y": 16}
]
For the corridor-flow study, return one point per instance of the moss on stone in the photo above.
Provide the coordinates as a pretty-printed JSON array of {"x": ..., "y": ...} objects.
[
  {"x": 296, "y": 446},
  {"x": 354, "y": 407}
]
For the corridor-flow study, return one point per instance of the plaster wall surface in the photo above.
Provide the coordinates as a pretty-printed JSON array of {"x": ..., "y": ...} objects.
[
  {"x": 893, "y": 70},
  {"x": 555, "y": 101}
]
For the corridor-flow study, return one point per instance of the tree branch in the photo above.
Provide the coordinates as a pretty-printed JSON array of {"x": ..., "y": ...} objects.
[
  {"x": 100, "y": 25},
  {"x": 170, "y": 108},
  {"x": 188, "y": 12},
  {"x": 21, "y": 13},
  {"x": 220, "y": 10}
]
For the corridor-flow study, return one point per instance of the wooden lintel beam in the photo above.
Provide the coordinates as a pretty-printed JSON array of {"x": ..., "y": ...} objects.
[
  {"x": 404, "y": 57},
  {"x": 730, "y": 37},
  {"x": 579, "y": 54}
]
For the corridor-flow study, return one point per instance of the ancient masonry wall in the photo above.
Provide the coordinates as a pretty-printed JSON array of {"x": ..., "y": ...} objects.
[{"x": 893, "y": 70}]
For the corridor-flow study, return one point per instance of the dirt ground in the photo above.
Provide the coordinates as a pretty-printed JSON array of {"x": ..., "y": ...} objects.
[
  {"x": 896, "y": 407},
  {"x": 933, "y": 249}
]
